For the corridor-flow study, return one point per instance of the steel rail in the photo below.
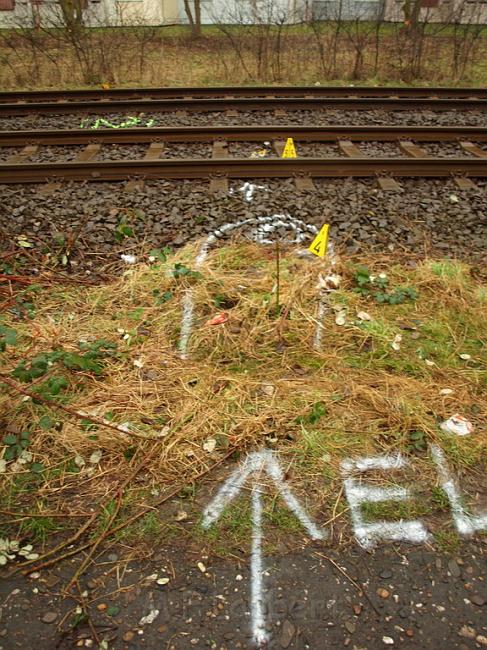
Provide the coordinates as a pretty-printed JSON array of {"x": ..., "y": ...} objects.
[
  {"x": 242, "y": 104},
  {"x": 238, "y": 91},
  {"x": 241, "y": 168},
  {"x": 244, "y": 134}
]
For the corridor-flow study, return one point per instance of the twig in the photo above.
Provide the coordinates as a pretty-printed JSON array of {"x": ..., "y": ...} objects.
[
  {"x": 68, "y": 542},
  {"x": 80, "y": 416},
  {"x": 360, "y": 588},
  {"x": 124, "y": 523},
  {"x": 64, "y": 515}
]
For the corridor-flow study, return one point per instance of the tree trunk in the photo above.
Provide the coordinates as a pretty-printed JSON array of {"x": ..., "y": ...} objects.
[{"x": 194, "y": 20}]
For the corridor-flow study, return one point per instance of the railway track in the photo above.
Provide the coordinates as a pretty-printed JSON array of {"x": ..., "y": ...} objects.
[
  {"x": 243, "y": 134},
  {"x": 311, "y": 101},
  {"x": 411, "y": 159},
  {"x": 239, "y": 91}
]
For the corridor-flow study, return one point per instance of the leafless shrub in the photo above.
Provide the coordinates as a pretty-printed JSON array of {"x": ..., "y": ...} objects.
[{"x": 257, "y": 32}]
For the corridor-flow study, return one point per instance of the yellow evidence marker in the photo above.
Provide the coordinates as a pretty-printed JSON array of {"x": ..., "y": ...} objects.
[
  {"x": 320, "y": 242},
  {"x": 289, "y": 149}
]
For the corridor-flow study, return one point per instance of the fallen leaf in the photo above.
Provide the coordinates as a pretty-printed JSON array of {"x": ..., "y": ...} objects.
[{"x": 363, "y": 315}]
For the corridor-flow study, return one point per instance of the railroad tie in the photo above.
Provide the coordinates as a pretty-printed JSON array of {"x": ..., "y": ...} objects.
[
  {"x": 413, "y": 150},
  {"x": 154, "y": 151},
  {"x": 231, "y": 112},
  {"x": 304, "y": 184},
  {"x": 219, "y": 183},
  {"x": 388, "y": 184},
  {"x": 28, "y": 151},
  {"x": 464, "y": 183},
  {"x": 278, "y": 146},
  {"x": 220, "y": 149},
  {"x": 350, "y": 149},
  {"x": 89, "y": 152},
  {"x": 472, "y": 148}
]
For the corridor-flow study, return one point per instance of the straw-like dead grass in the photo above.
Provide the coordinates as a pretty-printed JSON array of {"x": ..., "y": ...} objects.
[{"x": 253, "y": 381}]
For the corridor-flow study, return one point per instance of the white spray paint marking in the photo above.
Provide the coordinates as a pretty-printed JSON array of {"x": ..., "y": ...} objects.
[
  {"x": 263, "y": 227},
  {"x": 254, "y": 465},
  {"x": 466, "y": 524},
  {"x": 248, "y": 190},
  {"x": 366, "y": 533},
  {"x": 323, "y": 304},
  {"x": 257, "y": 570}
]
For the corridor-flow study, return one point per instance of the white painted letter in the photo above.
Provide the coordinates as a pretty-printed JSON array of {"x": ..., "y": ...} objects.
[
  {"x": 466, "y": 524},
  {"x": 368, "y": 534}
]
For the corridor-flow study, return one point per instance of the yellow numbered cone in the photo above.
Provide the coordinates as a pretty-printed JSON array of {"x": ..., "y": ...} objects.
[
  {"x": 320, "y": 242},
  {"x": 289, "y": 149}
]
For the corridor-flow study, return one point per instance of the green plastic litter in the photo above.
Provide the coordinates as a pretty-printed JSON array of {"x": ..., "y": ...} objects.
[{"x": 129, "y": 122}]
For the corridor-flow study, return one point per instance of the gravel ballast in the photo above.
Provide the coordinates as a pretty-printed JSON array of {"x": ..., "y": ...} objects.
[
  {"x": 425, "y": 216},
  {"x": 249, "y": 118}
]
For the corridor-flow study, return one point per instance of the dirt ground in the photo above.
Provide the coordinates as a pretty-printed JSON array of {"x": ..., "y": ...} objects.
[{"x": 316, "y": 598}]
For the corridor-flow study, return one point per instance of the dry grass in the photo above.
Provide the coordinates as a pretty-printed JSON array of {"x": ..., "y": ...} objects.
[
  {"x": 167, "y": 57},
  {"x": 254, "y": 381}
]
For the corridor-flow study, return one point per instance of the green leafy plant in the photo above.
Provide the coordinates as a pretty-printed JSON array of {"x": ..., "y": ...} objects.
[
  {"x": 417, "y": 442},
  {"x": 123, "y": 230},
  {"x": 159, "y": 254},
  {"x": 376, "y": 287},
  {"x": 314, "y": 415},
  {"x": 15, "y": 444},
  {"x": 161, "y": 298},
  {"x": 8, "y": 336},
  {"x": 182, "y": 271},
  {"x": 396, "y": 297},
  {"x": 88, "y": 362},
  {"x": 24, "y": 307}
]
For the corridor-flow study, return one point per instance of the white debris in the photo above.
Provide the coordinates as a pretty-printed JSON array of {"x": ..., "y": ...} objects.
[
  {"x": 268, "y": 389},
  {"x": 453, "y": 198},
  {"x": 446, "y": 391},
  {"x": 457, "y": 424},
  {"x": 209, "y": 445},
  {"x": 162, "y": 581},
  {"x": 329, "y": 282},
  {"x": 464, "y": 356},
  {"x": 396, "y": 343},
  {"x": 149, "y": 618},
  {"x": 138, "y": 363},
  {"x": 340, "y": 318},
  {"x": 128, "y": 259},
  {"x": 388, "y": 640},
  {"x": 96, "y": 457},
  {"x": 164, "y": 431},
  {"x": 201, "y": 567}
]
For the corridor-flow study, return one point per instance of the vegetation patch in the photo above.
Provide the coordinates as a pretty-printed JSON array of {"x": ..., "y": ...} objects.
[{"x": 103, "y": 422}]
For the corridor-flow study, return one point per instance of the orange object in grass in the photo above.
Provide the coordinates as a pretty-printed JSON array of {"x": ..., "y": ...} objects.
[{"x": 219, "y": 319}]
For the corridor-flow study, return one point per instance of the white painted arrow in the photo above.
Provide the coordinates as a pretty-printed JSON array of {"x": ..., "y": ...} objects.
[{"x": 252, "y": 467}]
